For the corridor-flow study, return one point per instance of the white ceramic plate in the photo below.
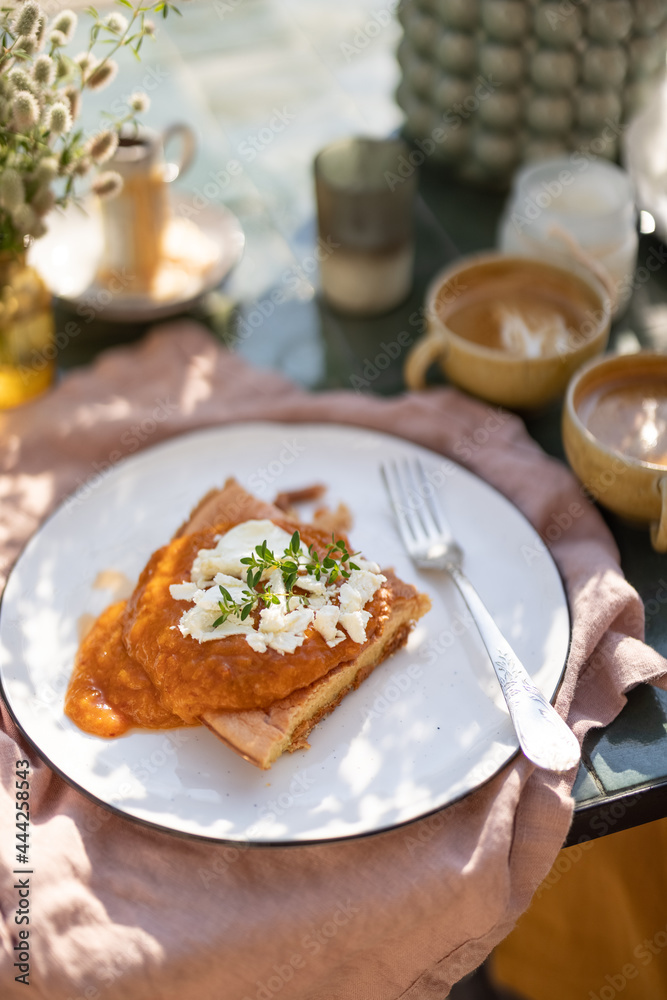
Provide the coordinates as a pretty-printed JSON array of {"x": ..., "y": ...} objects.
[{"x": 425, "y": 728}]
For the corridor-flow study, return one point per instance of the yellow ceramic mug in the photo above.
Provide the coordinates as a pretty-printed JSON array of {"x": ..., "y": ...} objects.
[
  {"x": 615, "y": 436},
  {"x": 511, "y": 329}
]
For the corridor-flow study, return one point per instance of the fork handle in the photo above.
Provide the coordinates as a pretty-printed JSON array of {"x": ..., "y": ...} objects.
[{"x": 544, "y": 737}]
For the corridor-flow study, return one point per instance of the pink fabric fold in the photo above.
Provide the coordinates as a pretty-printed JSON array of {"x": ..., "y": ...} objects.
[{"x": 119, "y": 911}]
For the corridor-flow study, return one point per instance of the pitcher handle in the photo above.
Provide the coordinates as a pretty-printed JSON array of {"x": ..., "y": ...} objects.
[
  {"x": 189, "y": 145},
  {"x": 659, "y": 528},
  {"x": 421, "y": 357}
]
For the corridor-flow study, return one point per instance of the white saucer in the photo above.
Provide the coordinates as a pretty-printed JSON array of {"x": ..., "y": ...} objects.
[{"x": 206, "y": 248}]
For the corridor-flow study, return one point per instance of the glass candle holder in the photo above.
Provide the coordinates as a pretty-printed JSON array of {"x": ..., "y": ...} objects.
[
  {"x": 365, "y": 192},
  {"x": 575, "y": 208}
]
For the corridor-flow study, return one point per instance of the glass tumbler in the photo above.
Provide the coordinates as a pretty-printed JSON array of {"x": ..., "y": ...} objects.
[{"x": 365, "y": 191}]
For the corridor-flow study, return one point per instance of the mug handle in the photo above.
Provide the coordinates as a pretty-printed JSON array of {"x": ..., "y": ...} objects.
[
  {"x": 189, "y": 146},
  {"x": 421, "y": 357},
  {"x": 659, "y": 528}
]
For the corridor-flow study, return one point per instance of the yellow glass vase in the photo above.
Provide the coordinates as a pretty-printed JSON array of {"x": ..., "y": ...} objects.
[{"x": 27, "y": 328}]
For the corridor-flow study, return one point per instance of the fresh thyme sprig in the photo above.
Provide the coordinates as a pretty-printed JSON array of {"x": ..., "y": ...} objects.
[
  {"x": 337, "y": 562},
  {"x": 331, "y": 566},
  {"x": 228, "y": 606}
]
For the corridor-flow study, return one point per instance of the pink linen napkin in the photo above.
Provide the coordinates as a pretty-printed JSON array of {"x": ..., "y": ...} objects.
[{"x": 119, "y": 911}]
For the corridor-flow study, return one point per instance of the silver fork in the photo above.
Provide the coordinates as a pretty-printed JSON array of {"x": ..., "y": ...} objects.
[{"x": 544, "y": 737}]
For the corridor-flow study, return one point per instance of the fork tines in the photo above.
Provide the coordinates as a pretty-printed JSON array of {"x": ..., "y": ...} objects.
[{"x": 414, "y": 497}]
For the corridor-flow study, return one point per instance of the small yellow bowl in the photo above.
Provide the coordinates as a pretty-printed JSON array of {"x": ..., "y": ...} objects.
[
  {"x": 511, "y": 330},
  {"x": 615, "y": 436}
]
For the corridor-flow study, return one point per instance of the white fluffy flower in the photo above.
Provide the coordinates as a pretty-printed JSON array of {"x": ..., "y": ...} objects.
[
  {"x": 117, "y": 23},
  {"x": 47, "y": 170},
  {"x": 102, "y": 75},
  {"x": 44, "y": 70},
  {"x": 58, "y": 118},
  {"x": 79, "y": 167},
  {"x": 102, "y": 146},
  {"x": 85, "y": 61},
  {"x": 25, "y": 110},
  {"x": 26, "y": 43},
  {"x": 139, "y": 102},
  {"x": 72, "y": 95},
  {"x": 108, "y": 184},
  {"x": 66, "y": 23},
  {"x": 43, "y": 201},
  {"x": 57, "y": 39},
  {"x": 12, "y": 192},
  {"x": 40, "y": 31},
  {"x": 27, "y": 18},
  {"x": 20, "y": 80},
  {"x": 28, "y": 222}
]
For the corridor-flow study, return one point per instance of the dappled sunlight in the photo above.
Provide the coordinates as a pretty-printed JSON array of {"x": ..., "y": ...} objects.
[
  {"x": 28, "y": 496},
  {"x": 426, "y": 727},
  {"x": 198, "y": 384}
]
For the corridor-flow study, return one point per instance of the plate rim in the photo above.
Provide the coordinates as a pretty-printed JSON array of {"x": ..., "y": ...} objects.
[{"x": 316, "y": 426}]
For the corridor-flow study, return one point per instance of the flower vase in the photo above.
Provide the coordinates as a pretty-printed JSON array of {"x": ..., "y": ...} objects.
[{"x": 27, "y": 327}]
